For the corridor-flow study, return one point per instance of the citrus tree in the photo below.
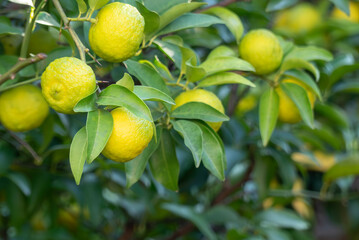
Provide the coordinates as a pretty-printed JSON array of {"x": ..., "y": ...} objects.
[{"x": 160, "y": 119}]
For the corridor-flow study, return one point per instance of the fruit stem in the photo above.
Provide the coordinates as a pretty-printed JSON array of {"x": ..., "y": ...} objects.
[
  {"x": 29, "y": 26},
  {"x": 80, "y": 46},
  {"x": 22, "y": 63},
  {"x": 91, "y": 20}
]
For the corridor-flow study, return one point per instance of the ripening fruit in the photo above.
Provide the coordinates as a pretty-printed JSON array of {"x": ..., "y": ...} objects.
[
  {"x": 262, "y": 49},
  {"x": 129, "y": 137},
  {"x": 353, "y": 16},
  {"x": 300, "y": 19},
  {"x": 66, "y": 81},
  {"x": 23, "y": 108},
  {"x": 11, "y": 44},
  {"x": 288, "y": 111},
  {"x": 246, "y": 104},
  {"x": 203, "y": 96},
  {"x": 117, "y": 33}
]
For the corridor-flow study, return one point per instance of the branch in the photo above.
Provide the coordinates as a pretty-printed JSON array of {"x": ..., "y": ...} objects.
[
  {"x": 22, "y": 63},
  {"x": 36, "y": 157},
  {"x": 80, "y": 46}
]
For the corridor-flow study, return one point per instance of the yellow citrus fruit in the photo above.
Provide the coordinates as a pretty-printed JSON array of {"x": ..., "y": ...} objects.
[
  {"x": 66, "y": 81},
  {"x": 299, "y": 19},
  {"x": 117, "y": 33},
  {"x": 42, "y": 41},
  {"x": 246, "y": 104},
  {"x": 324, "y": 161},
  {"x": 203, "y": 96},
  {"x": 130, "y": 136},
  {"x": 288, "y": 111},
  {"x": 262, "y": 49},
  {"x": 23, "y": 108},
  {"x": 353, "y": 16}
]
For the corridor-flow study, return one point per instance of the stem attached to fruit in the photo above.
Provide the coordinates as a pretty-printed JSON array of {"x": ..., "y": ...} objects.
[
  {"x": 22, "y": 63},
  {"x": 91, "y": 20},
  {"x": 80, "y": 46}
]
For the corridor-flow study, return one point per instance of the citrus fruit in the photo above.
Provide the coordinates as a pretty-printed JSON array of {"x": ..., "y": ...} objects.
[
  {"x": 66, "y": 81},
  {"x": 42, "y": 41},
  {"x": 262, "y": 49},
  {"x": 323, "y": 162},
  {"x": 299, "y": 19},
  {"x": 117, "y": 33},
  {"x": 129, "y": 137},
  {"x": 246, "y": 104},
  {"x": 353, "y": 16},
  {"x": 23, "y": 108},
  {"x": 288, "y": 111},
  {"x": 11, "y": 44},
  {"x": 203, "y": 96}
]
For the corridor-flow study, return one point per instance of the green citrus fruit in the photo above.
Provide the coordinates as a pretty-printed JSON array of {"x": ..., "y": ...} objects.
[
  {"x": 288, "y": 111},
  {"x": 23, "y": 108},
  {"x": 130, "y": 136},
  {"x": 117, "y": 33},
  {"x": 262, "y": 49},
  {"x": 66, "y": 81},
  {"x": 203, "y": 96},
  {"x": 42, "y": 41}
]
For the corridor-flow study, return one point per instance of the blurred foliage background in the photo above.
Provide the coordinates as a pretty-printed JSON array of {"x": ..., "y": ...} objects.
[{"x": 302, "y": 186}]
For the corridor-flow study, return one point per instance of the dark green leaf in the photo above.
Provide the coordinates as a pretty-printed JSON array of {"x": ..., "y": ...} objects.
[
  {"x": 6, "y": 29},
  {"x": 197, "y": 110},
  {"x": 275, "y": 5},
  {"x": 342, "y": 5},
  {"x": 223, "y": 64},
  {"x": 87, "y": 104},
  {"x": 172, "y": 51},
  {"x": 164, "y": 164},
  {"x": 193, "y": 138},
  {"x": 78, "y": 154},
  {"x": 346, "y": 87},
  {"x": 225, "y": 78},
  {"x": 152, "y": 19},
  {"x": 347, "y": 167},
  {"x": 282, "y": 218},
  {"x": 268, "y": 114},
  {"x": 152, "y": 94},
  {"x": 99, "y": 126},
  {"x": 20, "y": 181}
]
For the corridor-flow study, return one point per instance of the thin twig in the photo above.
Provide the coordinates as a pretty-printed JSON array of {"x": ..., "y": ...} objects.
[
  {"x": 22, "y": 63},
  {"x": 36, "y": 157}
]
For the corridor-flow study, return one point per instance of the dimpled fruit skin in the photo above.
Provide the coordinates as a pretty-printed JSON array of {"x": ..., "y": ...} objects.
[
  {"x": 261, "y": 48},
  {"x": 130, "y": 136},
  {"x": 66, "y": 81},
  {"x": 118, "y": 32},
  {"x": 23, "y": 108},
  {"x": 354, "y": 13},
  {"x": 203, "y": 96},
  {"x": 299, "y": 19},
  {"x": 288, "y": 111}
]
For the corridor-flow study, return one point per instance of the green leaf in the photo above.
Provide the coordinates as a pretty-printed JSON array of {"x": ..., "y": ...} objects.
[
  {"x": 333, "y": 113},
  {"x": 275, "y": 5},
  {"x": 305, "y": 78},
  {"x": 87, "y": 104},
  {"x": 6, "y": 29},
  {"x": 341, "y": 71},
  {"x": 310, "y": 53},
  {"x": 346, "y": 87},
  {"x": 97, "y": 4},
  {"x": 152, "y": 19},
  {"x": 119, "y": 96},
  {"x": 300, "y": 97},
  {"x": 225, "y": 78},
  {"x": 163, "y": 69},
  {"x": 196, "y": 218},
  {"x": 282, "y": 219},
  {"x": 221, "y": 51},
  {"x": 213, "y": 156},
  {"x": 177, "y": 11},
  {"x": 78, "y": 154},
  {"x": 194, "y": 73},
  {"x": 230, "y": 19},
  {"x": 193, "y": 138},
  {"x": 127, "y": 82},
  {"x": 297, "y": 63},
  {"x": 198, "y": 110},
  {"x": 147, "y": 75},
  {"x": 172, "y": 51},
  {"x": 347, "y": 167},
  {"x": 164, "y": 164},
  {"x": 152, "y": 94},
  {"x": 223, "y": 64},
  {"x": 160, "y": 6},
  {"x": 342, "y": 5},
  {"x": 136, "y": 167},
  {"x": 190, "y": 20},
  {"x": 99, "y": 126},
  {"x": 47, "y": 19},
  {"x": 82, "y": 6},
  {"x": 23, "y": 2},
  {"x": 20, "y": 181},
  {"x": 268, "y": 114}
]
